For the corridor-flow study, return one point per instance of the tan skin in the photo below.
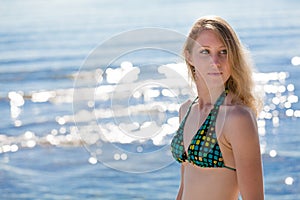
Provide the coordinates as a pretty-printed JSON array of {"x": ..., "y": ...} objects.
[{"x": 236, "y": 124}]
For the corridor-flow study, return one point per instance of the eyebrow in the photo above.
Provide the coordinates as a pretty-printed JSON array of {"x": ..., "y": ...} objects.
[{"x": 201, "y": 46}]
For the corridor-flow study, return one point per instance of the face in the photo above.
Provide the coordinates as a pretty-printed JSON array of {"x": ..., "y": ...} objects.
[{"x": 209, "y": 57}]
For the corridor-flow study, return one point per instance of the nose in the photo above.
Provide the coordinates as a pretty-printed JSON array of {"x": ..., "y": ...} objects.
[{"x": 215, "y": 60}]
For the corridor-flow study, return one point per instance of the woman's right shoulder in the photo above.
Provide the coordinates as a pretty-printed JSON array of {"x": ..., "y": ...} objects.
[{"x": 184, "y": 107}]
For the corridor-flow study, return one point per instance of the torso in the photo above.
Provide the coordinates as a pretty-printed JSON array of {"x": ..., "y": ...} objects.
[
  {"x": 209, "y": 183},
  {"x": 202, "y": 183}
]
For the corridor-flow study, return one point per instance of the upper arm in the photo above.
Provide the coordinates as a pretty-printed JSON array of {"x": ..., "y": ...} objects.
[
  {"x": 244, "y": 139},
  {"x": 182, "y": 111}
]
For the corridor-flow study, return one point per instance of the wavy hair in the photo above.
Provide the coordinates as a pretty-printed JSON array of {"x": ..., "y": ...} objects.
[{"x": 240, "y": 83}]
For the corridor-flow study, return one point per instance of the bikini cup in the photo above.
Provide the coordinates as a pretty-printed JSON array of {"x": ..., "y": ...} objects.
[{"x": 204, "y": 150}]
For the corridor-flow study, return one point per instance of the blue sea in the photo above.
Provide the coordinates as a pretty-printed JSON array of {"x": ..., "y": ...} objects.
[{"x": 90, "y": 91}]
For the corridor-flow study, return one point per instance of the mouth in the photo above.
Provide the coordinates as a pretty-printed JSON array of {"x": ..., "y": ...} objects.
[{"x": 215, "y": 73}]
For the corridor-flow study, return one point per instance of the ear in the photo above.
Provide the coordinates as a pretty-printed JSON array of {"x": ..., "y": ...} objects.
[{"x": 188, "y": 57}]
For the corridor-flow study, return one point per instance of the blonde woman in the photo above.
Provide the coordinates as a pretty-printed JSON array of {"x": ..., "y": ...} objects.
[{"x": 217, "y": 142}]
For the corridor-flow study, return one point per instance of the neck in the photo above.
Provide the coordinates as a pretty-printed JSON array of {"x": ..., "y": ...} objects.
[{"x": 207, "y": 97}]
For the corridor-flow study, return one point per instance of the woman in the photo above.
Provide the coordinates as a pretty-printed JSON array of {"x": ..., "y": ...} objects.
[{"x": 221, "y": 158}]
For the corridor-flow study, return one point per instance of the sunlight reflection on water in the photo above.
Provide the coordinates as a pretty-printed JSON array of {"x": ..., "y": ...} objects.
[{"x": 144, "y": 111}]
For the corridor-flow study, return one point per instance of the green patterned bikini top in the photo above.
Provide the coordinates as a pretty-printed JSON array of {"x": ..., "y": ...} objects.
[{"x": 204, "y": 150}]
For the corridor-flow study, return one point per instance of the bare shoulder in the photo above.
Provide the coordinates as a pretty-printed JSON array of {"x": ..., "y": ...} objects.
[
  {"x": 240, "y": 113},
  {"x": 240, "y": 120},
  {"x": 184, "y": 107},
  {"x": 242, "y": 134}
]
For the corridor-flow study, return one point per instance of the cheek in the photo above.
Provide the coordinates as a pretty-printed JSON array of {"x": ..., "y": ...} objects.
[
  {"x": 200, "y": 63},
  {"x": 227, "y": 72},
  {"x": 226, "y": 65},
  {"x": 229, "y": 68}
]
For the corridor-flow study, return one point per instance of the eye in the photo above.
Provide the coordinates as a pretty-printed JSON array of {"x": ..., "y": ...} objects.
[
  {"x": 223, "y": 52},
  {"x": 204, "y": 51}
]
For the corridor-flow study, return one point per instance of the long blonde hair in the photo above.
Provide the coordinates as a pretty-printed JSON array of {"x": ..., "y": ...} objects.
[{"x": 240, "y": 83}]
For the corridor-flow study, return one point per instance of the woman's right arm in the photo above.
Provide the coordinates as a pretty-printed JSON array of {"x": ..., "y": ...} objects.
[
  {"x": 179, "y": 195},
  {"x": 182, "y": 110}
]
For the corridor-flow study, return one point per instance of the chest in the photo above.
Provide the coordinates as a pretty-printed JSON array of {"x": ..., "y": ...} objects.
[{"x": 197, "y": 118}]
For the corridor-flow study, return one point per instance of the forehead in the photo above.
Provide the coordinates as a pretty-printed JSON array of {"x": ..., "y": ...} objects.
[{"x": 209, "y": 38}]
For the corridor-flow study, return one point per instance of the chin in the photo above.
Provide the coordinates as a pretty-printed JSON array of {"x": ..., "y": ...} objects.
[{"x": 215, "y": 84}]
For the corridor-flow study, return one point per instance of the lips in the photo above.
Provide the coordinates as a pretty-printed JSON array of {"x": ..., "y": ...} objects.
[{"x": 215, "y": 73}]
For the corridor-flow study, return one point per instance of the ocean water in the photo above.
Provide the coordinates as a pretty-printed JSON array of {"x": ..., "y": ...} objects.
[{"x": 90, "y": 92}]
